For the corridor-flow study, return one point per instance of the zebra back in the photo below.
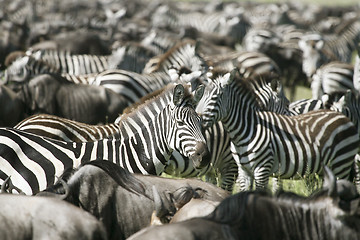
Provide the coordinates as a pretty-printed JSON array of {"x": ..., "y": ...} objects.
[
  {"x": 132, "y": 85},
  {"x": 65, "y": 129},
  {"x": 332, "y": 77},
  {"x": 348, "y": 103},
  {"x": 73, "y": 64}
]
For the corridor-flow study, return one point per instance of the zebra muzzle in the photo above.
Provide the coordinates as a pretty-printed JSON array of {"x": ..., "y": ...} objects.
[{"x": 201, "y": 156}]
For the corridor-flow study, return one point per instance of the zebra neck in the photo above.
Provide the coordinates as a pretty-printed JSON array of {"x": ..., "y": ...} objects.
[
  {"x": 241, "y": 120},
  {"x": 143, "y": 134}
]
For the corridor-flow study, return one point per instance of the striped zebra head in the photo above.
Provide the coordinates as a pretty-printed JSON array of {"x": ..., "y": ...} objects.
[
  {"x": 210, "y": 107},
  {"x": 270, "y": 93},
  {"x": 347, "y": 103},
  {"x": 313, "y": 57},
  {"x": 22, "y": 69},
  {"x": 185, "y": 133}
]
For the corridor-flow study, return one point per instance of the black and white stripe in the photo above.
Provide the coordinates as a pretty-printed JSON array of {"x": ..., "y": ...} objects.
[
  {"x": 332, "y": 77},
  {"x": 27, "y": 67},
  {"x": 131, "y": 85},
  {"x": 64, "y": 129},
  {"x": 249, "y": 63},
  {"x": 144, "y": 143},
  {"x": 267, "y": 144},
  {"x": 183, "y": 54},
  {"x": 72, "y": 64},
  {"x": 269, "y": 94}
]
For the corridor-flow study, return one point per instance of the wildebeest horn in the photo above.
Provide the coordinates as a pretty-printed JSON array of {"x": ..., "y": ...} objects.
[
  {"x": 330, "y": 182},
  {"x": 159, "y": 204},
  {"x": 55, "y": 195},
  {"x": 5, "y": 185},
  {"x": 8, "y": 186}
]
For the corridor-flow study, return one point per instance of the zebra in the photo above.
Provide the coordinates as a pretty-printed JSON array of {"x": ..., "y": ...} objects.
[
  {"x": 144, "y": 142},
  {"x": 347, "y": 102},
  {"x": 249, "y": 63},
  {"x": 305, "y": 105},
  {"x": 130, "y": 56},
  {"x": 314, "y": 56},
  {"x": 80, "y": 68},
  {"x": 325, "y": 74},
  {"x": 270, "y": 96},
  {"x": 356, "y": 78},
  {"x": 72, "y": 64},
  {"x": 338, "y": 46},
  {"x": 267, "y": 144},
  {"x": 24, "y": 67},
  {"x": 345, "y": 38},
  {"x": 132, "y": 85},
  {"x": 230, "y": 24},
  {"x": 27, "y": 66},
  {"x": 332, "y": 77},
  {"x": 183, "y": 54},
  {"x": 64, "y": 129}
]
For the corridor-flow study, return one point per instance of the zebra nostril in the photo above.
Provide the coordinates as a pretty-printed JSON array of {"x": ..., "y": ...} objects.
[{"x": 201, "y": 157}]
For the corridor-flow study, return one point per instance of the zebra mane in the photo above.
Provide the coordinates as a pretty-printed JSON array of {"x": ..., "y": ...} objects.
[
  {"x": 345, "y": 26},
  {"x": 160, "y": 94}
]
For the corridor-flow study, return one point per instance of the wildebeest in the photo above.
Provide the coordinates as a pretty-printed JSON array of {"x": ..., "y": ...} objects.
[
  {"x": 124, "y": 202},
  {"x": 75, "y": 42},
  {"x": 195, "y": 207},
  {"x": 327, "y": 214},
  {"x": 12, "y": 108},
  {"x": 34, "y": 217},
  {"x": 80, "y": 102}
]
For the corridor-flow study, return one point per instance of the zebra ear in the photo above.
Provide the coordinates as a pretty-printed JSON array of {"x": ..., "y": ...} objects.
[
  {"x": 173, "y": 74},
  {"x": 275, "y": 85},
  {"x": 348, "y": 96},
  {"x": 178, "y": 94},
  {"x": 228, "y": 78},
  {"x": 319, "y": 44},
  {"x": 302, "y": 44},
  {"x": 199, "y": 92}
]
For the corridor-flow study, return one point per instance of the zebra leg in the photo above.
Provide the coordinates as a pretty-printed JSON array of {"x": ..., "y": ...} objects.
[
  {"x": 227, "y": 174},
  {"x": 244, "y": 179},
  {"x": 277, "y": 184},
  {"x": 357, "y": 171},
  {"x": 262, "y": 174}
]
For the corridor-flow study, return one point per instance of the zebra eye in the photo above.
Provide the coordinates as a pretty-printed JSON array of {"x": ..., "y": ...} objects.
[{"x": 181, "y": 123}]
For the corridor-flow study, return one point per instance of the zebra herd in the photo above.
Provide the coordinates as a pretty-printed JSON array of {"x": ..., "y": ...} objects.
[{"x": 187, "y": 89}]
